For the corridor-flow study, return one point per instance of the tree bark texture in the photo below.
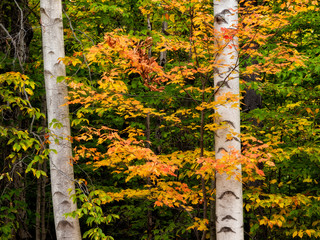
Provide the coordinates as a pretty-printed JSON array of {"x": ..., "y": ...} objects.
[
  {"x": 61, "y": 169},
  {"x": 229, "y": 209},
  {"x": 163, "y": 54}
]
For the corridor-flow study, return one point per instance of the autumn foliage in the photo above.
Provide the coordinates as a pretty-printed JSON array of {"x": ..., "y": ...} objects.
[
  {"x": 172, "y": 177},
  {"x": 143, "y": 134}
]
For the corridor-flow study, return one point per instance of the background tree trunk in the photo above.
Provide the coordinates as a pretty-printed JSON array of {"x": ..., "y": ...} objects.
[
  {"x": 61, "y": 169},
  {"x": 229, "y": 209},
  {"x": 41, "y": 230},
  {"x": 163, "y": 54}
]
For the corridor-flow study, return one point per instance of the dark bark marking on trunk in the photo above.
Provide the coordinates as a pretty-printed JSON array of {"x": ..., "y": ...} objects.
[
  {"x": 228, "y": 193},
  {"x": 229, "y": 122},
  {"x": 222, "y": 148},
  {"x": 233, "y": 138},
  {"x": 216, "y": 134},
  {"x": 63, "y": 224},
  {"x": 228, "y": 217},
  {"x": 226, "y": 229},
  {"x": 223, "y": 83},
  {"x": 216, "y": 70},
  {"x": 220, "y": 17}
]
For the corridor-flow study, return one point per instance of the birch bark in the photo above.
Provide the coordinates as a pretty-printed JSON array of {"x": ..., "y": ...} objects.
[
  {"x": 229, "y": 209},
  {"x": 163, "y": 54},
  {"x": 61, "y": 169}
]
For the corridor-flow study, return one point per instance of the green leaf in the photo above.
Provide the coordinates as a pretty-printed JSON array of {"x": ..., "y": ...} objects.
[
  {"x": 61, "y": 78},
  {"x": 10, "y": 140},
  {"x": 16, "y": 147}
]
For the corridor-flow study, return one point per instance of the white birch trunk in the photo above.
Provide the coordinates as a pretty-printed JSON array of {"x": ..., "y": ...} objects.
[
  {"x": 229, "y": 204},
  {"x": 61, "y": 169},
  {"x": 163, "y": 54}
]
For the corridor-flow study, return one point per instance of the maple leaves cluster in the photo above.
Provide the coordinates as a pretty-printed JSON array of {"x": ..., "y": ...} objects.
[{"x": 136, "y": 51}]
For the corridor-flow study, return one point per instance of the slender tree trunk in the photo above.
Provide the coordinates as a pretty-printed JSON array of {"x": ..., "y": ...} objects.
[
  {"x": 19, "y": 183},
  {"x": 212, "y": 214},
  {"x": 163, "y": 54},
  {"x": 44, "y": 179},
  {"x": 38, "y": 206},
  {"x": 61, "y": 169},
  {"x": 43, "y": 204},
  {"x": 229, "y": 212},
  {"x": 150, "y": 29},
  {"x": 203, "y": 182},
  {"x": 41, "y": 230},
  {"x": 150, "y": 207}
]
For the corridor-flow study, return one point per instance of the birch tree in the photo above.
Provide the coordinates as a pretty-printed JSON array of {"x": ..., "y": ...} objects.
[
  {"x": 61, "y": 169},
  {"x": 163, "y": 54},
  {"x": 229, "y": 213}
]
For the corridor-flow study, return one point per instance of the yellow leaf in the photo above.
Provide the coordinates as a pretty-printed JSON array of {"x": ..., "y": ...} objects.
[
  {"x": 182, "y": 9},
  {"x": 315, "y": 223},
  {"x": 308, "y": 180},
  {"x": 273, "y": 181},
  {"x": 300, "y": 234},
  {"x": 235, "y": 105},
  {"x": 248, "y": 206},
  {"x": 29, "y": 91},
  {"x": 309, "y": 110},
  {"x": 308, "y": 232},
  {"x": 172, "y": 18},
  {"x": 199, "y": 108},
  {"x": 294, "y": 234}
]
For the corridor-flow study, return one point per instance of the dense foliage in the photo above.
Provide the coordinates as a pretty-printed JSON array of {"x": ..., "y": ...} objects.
[{"x": 143, "y": 131}]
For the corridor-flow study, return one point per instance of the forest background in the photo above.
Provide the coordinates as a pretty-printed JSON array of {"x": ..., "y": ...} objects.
[{"x": 140, "y": 77}]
